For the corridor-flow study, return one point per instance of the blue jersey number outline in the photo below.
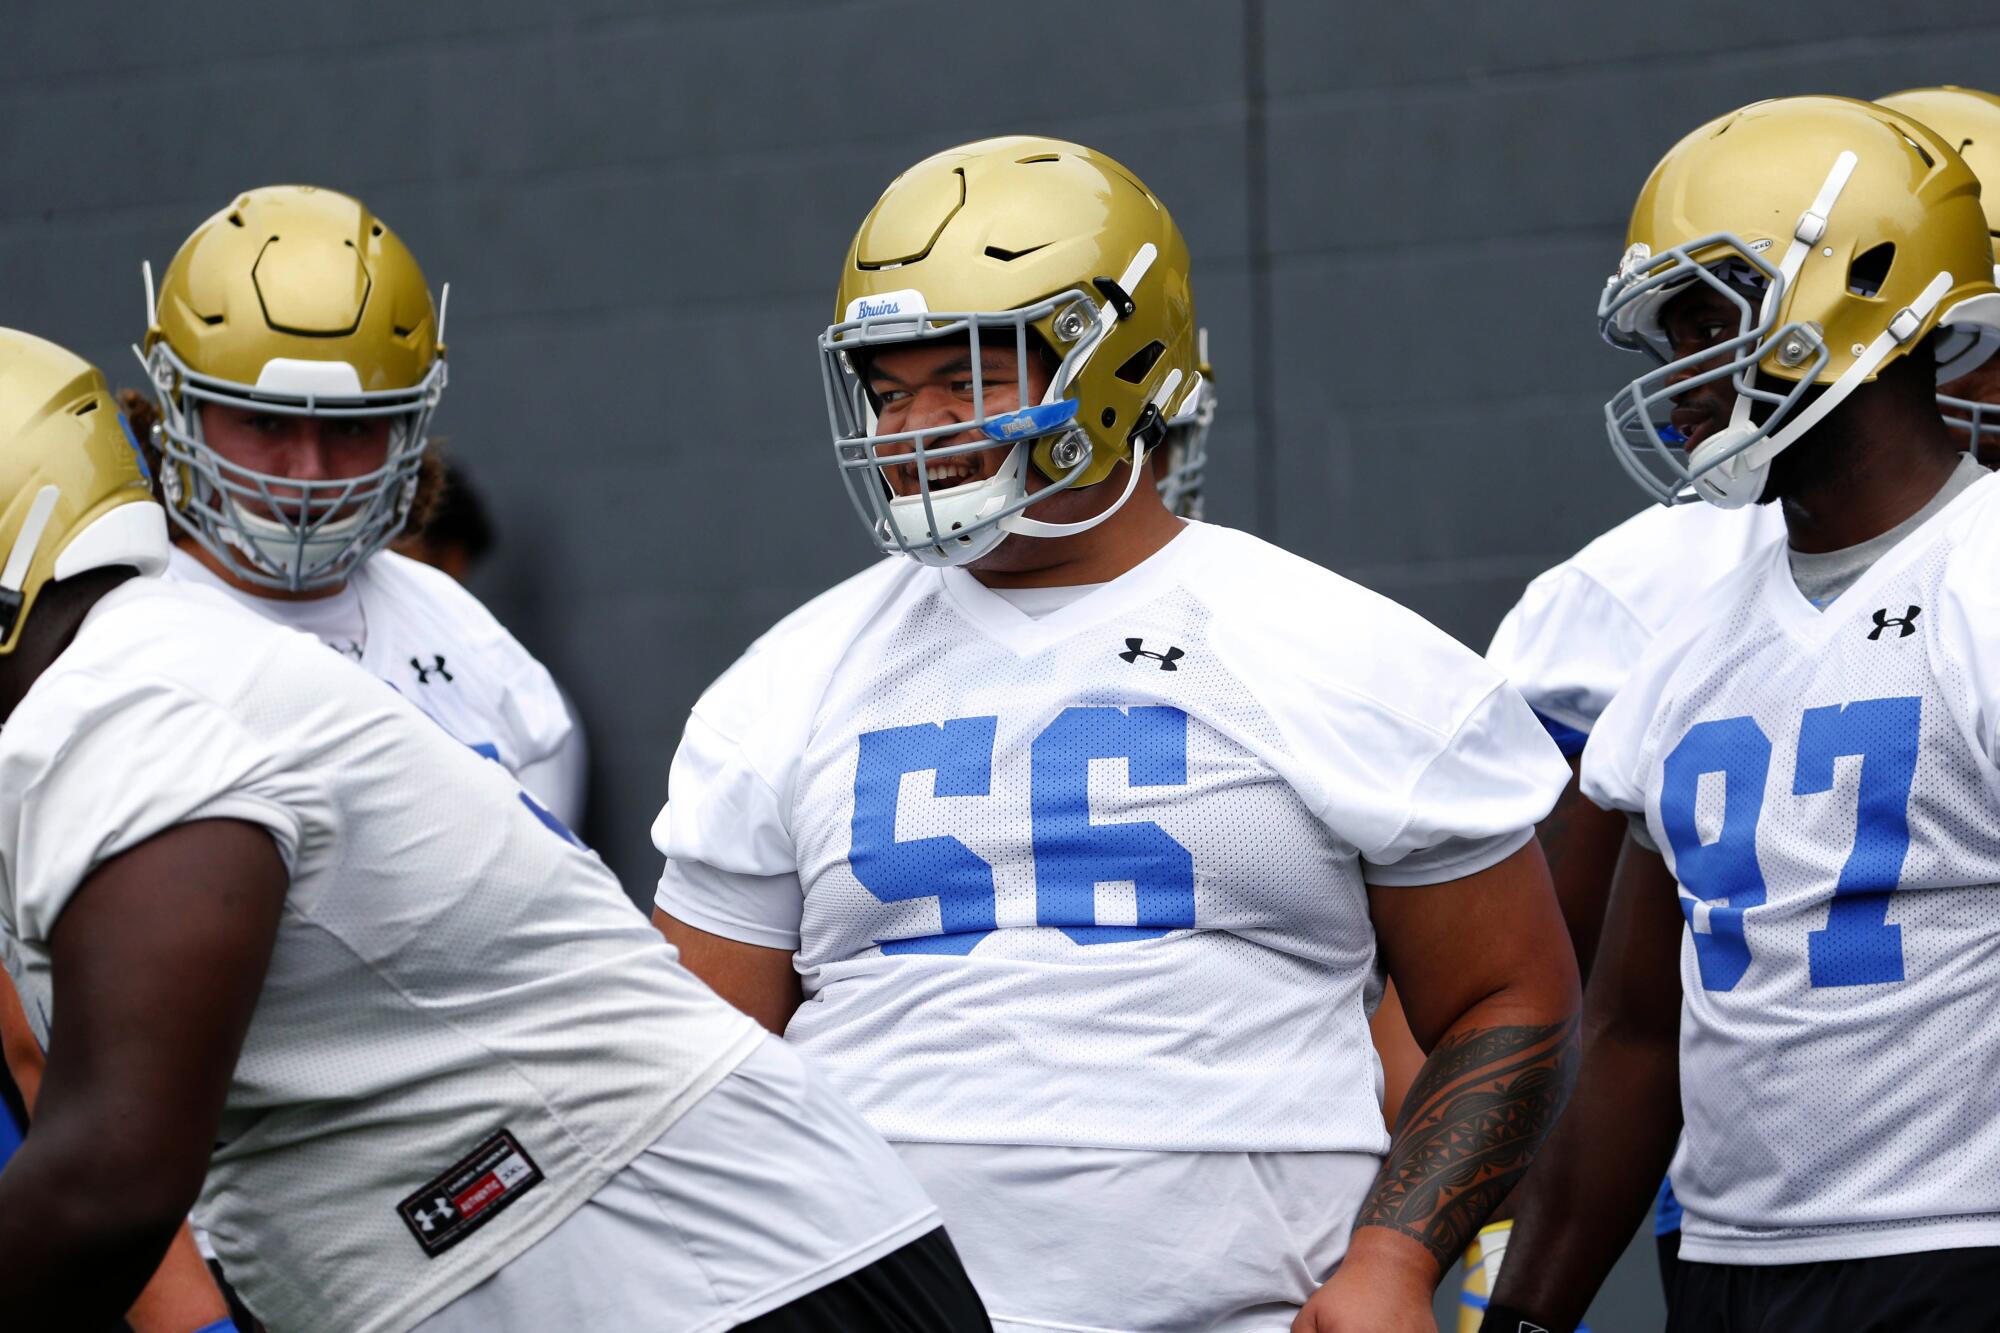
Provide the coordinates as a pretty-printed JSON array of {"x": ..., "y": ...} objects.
[
  {"x": 1072, "y": 854},
  {"x": 1857, "y": 946}
]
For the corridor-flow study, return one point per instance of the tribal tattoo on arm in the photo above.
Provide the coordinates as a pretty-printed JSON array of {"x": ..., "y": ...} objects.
[{"x": 1479, "y": 1109}]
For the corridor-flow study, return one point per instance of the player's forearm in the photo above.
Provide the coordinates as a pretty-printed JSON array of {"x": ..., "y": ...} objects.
[
  {"x": 82, "y": 1229},
  {"x": 1592, "y": 1183},
  {"x": 1478, "y": 1111}
]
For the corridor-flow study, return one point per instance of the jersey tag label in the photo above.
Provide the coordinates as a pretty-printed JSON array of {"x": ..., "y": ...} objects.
[{"x": 458, "y": 1202}]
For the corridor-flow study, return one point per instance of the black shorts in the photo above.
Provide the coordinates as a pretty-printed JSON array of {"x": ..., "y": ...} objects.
[
  {"x": 920, "y": 1288},
  {"x": 1939, "y": 1291}
]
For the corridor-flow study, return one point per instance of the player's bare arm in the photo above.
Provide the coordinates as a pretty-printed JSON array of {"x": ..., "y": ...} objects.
[
  {"x": 181, "y": 1294},
  {"x": 1594, "y": 1180},
  {"x": 1496, "y": 1004},
  {"x": 761, "y": 982},
  {"x": 182, "y": 923},
  {"x": 1581, "y": 843}
]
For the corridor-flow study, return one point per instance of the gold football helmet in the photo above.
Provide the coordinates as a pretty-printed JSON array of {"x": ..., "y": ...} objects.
[
  {"x": 1844, "y": 234},
  {"x": 1969, "y": 121},
  {"x": 74, "y": 490},
  {"x": 292, "y": 301},
  {"x": 1047, "y": 246}
]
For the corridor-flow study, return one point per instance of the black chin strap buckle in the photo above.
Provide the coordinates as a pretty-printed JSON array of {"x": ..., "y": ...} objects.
[
  {"x": 1115, "y": 294},
  {"x": 1150, "y": 430}
]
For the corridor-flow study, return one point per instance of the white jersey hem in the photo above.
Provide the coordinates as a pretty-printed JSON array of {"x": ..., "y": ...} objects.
[
  {"x": 827, "y": 1274},
  {"x": 1764, "y": 1251},
  {"x": 576, "y": 1192}
]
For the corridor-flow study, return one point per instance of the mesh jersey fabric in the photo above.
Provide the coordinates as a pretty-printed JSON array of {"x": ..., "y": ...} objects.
[
  {"x": 448, "y": 964},
  {"x": 1577, "y": 631},
  {"x": 1096, "y": 879},
  {"x": 1824, "y": 786},
  {"x": 422, "y": 632},
  {"x": 696, "y": 1235}
]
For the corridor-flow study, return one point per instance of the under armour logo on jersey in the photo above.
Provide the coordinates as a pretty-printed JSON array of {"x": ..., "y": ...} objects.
[
  {"x": 428, "y": 1220},
  {"x": 1136, "y": 649},
  {"x": 424, "y": 673},
  {"x": 1906, "y": 623}
]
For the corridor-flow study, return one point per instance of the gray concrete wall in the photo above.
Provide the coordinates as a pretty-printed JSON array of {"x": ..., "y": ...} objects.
[{"x": 1400, "y": 217}]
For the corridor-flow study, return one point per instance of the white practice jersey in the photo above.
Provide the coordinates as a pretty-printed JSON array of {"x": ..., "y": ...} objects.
[
  {"x": 465, "y": 1029},
  {"x": 419, "y": 629},
  {"x": 1577, "y": 631},
  {"x": 1824, "y": 785}
]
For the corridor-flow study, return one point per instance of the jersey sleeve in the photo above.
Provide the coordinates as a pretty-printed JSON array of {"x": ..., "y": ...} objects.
[
  {"x": 1567, "y": 646},
  {"x": 95, "y": 767},
  {"x": 1402, "y": 741},
  {"x": 1477, "y": 799},
  {"x": 731, "y": 868}
]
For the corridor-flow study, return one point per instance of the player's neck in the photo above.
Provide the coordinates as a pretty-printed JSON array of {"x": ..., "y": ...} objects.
[
  {"x": 52, "y": 624},
  {"x": 1863, "y": 472},
  {"x": 1120, "y": 544}
]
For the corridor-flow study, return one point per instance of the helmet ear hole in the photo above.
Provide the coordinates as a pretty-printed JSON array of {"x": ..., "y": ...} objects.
[
  {"x": 1870, "y": 269},
  {"x": 1136, "y": 365}
]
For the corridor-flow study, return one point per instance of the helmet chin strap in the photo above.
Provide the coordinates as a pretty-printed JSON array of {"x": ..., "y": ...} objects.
[
  {"x": 1738, "y": 479},
  {"x": 1034, "y": 527},
  {"x": 1031, "y": 527},
  {"x": 1743, "y": 483}
]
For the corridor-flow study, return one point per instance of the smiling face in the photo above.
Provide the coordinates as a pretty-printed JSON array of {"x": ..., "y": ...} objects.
[{"x": 926, "y": 385}]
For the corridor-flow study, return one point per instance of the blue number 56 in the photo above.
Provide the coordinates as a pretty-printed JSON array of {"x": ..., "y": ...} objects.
[{"x": 1072, "y": 854}]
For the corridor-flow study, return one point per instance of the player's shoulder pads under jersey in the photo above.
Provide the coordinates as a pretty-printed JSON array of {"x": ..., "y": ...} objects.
[
  {"x": 1580, "y": 626},
  {"x": 1383, "y": 708},
  {"x": 431, "y": 614},
  {"x": 751, "y": 724}
]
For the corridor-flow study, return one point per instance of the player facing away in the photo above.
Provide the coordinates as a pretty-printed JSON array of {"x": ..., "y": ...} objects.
[
  {"x": 1803, "y": 970},
  {"x": 435, "y": 1070},
  {"x": 1579, "y": 629},
  {"x": 1073, "y": 849},
  {"x": 296, "y": 359}
]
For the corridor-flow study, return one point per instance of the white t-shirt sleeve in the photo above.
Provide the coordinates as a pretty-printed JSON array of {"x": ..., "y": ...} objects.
[
  {"x": 1568, "y": 646},
  {"x": 1476, "y": 801},
  {"x": 95, "y": 767}
]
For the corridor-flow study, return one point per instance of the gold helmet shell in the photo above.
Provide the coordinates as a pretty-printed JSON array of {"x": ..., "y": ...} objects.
[
  {"x": 297, "y": 273},
  {"x": 1968, "y": 120},
  {"x": 1845, "y": 233},
  {"x": 299, "y": 301},
  {"x": 74, "y": 491},
  {"x": 1046, "y": 244}
]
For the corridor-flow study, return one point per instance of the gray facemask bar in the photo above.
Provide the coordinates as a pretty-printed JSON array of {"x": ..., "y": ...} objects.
[
  {"x": 1979, "y": 420},
  {"x": 1638, "y": 420},
  {"x": 299, "y": 512},
  {"x": 859, "y": 450}
]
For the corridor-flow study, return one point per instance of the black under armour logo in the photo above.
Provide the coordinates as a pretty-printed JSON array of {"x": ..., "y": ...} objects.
[
  {"x": 424, "y": 672},
  {"x": 1906, "y": 623},
  {"x": 1136, "y": 649}
]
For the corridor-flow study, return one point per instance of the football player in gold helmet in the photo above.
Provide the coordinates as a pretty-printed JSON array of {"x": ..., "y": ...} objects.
[
  {"x": 295, "y": 357},
  {"x": 1068, "y": 846},
  {"x": 1791, "y": 959},
  {"x": 1580, "y": 627}
]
